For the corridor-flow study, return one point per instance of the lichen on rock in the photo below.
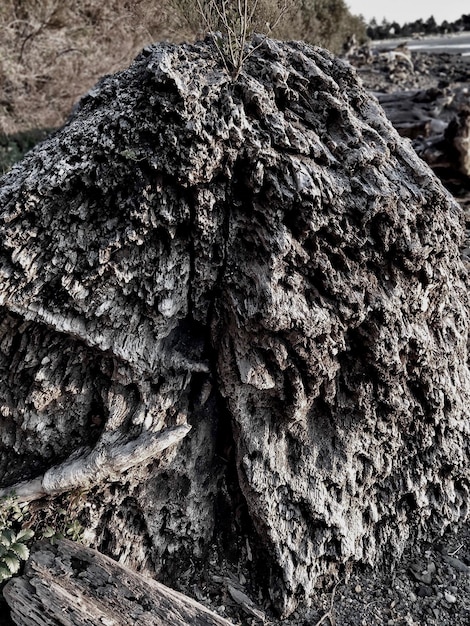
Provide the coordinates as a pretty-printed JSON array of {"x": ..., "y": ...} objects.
[{"x": 265, "y": 255}]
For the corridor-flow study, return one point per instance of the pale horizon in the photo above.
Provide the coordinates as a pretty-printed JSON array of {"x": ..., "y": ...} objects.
[{"x": 403, "y": 11}]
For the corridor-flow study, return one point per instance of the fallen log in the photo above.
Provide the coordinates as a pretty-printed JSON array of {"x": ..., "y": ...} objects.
[
  {"x": 67, "y": 584},
  {"x": 436, "y": 120}
]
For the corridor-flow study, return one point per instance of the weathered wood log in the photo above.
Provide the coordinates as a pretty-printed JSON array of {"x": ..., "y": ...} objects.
[
  {"x": 436, "y": 120},
  {"x": 67, "y": 584},
  {"x": 267, "y": 261}
]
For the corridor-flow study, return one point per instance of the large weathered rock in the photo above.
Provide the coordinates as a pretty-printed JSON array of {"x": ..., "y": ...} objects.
[{"x": 265, "y": 260}]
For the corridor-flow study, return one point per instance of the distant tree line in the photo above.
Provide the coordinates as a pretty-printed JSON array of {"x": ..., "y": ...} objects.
[{"x": 387, "y": 30}]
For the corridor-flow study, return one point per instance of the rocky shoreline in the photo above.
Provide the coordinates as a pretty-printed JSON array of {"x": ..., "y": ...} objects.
[
  {"x": 401, "y": 68},
  {"x": 426, "y": 97},
  {"x": 421, "y": 93}
]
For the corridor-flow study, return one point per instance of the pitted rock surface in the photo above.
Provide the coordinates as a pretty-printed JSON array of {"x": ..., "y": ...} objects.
[{"x": 263, "y": 255}]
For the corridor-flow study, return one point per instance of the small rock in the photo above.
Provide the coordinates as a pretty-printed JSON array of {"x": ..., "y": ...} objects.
[
  {"x": 449, "y": 597},
  {"x": 412, "y": 596},
  {"x": 358, "y": 588},
  {"x": 425, "y": 577},
  {"x": 424, "y": 591},
  {"x": 423, "y": 574}
]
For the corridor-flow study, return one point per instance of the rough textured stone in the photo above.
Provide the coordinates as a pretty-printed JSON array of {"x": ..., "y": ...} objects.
[{"x": 265, "y": 258}]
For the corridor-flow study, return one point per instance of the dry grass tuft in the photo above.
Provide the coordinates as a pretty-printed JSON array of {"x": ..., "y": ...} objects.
[{"x": 232, "y": 24}]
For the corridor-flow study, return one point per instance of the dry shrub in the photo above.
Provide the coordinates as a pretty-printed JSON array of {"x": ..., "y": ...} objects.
[
  {"x": 327, "y": 23},
  {"x": 232, "y": 24}
]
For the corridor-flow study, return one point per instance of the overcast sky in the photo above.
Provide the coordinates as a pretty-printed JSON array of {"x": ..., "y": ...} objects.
[{"x": 402, "y": 11}]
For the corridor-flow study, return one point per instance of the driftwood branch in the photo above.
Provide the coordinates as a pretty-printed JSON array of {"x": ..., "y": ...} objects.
[
  {"x": 101, "y": 463},
  {"x": 70, "y": 585}
]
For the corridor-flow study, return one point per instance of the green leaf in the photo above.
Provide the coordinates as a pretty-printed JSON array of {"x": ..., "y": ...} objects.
[
  {"x": 48, "y": 532},
  {"x": 7, "y": 537},
  {"x": 5, "y": 573},
  {"x": 18, "y": 516},
  {"x": 15, "y": 507},
  {"x": 25, "y": 534},
  {"x": 74, "y": 530},
  {"x": 12, "y": 562},
  {"x": 58, "y": 536},
  {"x": 21, "y": 551}
]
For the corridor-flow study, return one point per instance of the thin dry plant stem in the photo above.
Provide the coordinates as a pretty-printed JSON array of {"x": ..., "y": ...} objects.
[
  {"x": 209, "y": 28},
  {"x": 243, "y": 16},
  {"x": 253, "y": 11},
  {"x": 235, "y": 25},
  {"x": 329, "y": 614}
]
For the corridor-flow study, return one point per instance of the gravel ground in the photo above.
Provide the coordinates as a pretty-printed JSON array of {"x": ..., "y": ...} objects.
[{"x": 428, "y": 586}]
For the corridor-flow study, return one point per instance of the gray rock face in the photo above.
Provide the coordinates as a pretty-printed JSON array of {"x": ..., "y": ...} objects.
[{"x": 264, "y": 257}]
